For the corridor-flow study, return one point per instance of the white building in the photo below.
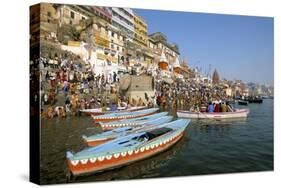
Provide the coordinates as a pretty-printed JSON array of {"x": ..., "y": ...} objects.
[{"x": 123, "y": 18}]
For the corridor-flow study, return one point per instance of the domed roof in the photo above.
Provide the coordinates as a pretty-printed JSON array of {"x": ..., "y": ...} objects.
[
  {"x": 176, "y": 63},
  {"x": 163, "y": 57}
]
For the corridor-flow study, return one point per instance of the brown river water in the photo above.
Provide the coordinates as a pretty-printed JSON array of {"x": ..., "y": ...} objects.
[{"x": 208, "y": 147}]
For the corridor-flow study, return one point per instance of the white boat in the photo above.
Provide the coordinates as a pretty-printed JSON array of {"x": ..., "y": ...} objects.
[
  {"x": 100, "y": 111},
  {"x": 131, "y": 122},
  {"x": 237, "y": 113}
]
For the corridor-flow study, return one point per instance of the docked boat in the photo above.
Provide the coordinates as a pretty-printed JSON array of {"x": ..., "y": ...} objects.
[
  {"x": 100, "y": 111},
  {"x": 131, "y": 122},
  {"x": 255, "y": 100},
  {"x": 267, "y": 97},
  {"x": 242, "y": 102},
  {"x": 237, "y": 113},
  {"x": 127, "y": 149},
  {"x": 124, "y": 115},
  {"x": 101, "y": 138}
]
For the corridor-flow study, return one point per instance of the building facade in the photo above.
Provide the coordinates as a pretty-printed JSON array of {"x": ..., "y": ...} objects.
[
  {"x": 123, "y": 19},
  {"x": 170, "y": 50},
  {"x": 43, "y": 23},
  {"x": 140, "y": 31},
  {"x": 71, "y": 14}
]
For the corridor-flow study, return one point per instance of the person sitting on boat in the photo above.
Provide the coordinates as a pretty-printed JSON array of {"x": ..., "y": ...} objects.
[
  {"x": 217, "y": 107},
  {"x": 113, "y": 107},
  {"x": 223, "y": 107},
  {"x": 211, "y": 107},
  {"x": 229, "y": 108},
  {"x": 220, "y": 108}
]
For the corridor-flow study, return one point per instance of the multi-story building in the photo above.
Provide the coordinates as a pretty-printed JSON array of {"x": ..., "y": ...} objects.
[
  {"x": 117, "y": 43},
  {"x": 71, "y": 14},
  {"x": 100, "y": 12},
  {"x": 123, "y": 18},
  {"x": 140, "y": 27},
  {"x": 43, "y": 22},
  {"x": 171, "y": 51}
]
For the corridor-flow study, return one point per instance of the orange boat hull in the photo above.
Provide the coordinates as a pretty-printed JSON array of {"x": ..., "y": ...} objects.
[
  {"x": 110, "y": 162},
  {"x": 97, "y": 142}
]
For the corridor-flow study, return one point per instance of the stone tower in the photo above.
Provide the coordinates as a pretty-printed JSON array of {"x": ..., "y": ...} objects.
[{"x": 216, "y": 77}]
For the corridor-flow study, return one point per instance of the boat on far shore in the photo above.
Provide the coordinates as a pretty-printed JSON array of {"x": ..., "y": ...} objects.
[
  {"x": 267, "y": 97},
  {"x": 243, "y": 102}
]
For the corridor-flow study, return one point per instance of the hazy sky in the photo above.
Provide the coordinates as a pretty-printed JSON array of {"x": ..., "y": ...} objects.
[{"x": 239, "y": 47}]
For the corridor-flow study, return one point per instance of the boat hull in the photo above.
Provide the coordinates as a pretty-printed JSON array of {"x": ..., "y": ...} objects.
[
  {"x": 97, "y": 142},
  {"x": 256, "y": 101},
  {"x": 243, "y": 102},
  {"x": 123, "y": 159},
  {"x": 132, "y": 123},
  {"x": 216, "y": 115},
  {"x": 92, "y": 141},
  {"x": 99, "y": 111},
  {"x": 97, "y": 120}
]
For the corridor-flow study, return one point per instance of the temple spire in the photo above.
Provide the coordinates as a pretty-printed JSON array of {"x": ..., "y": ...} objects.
[
  {"x": 184, "y": 63},
  {"x": 216, "y": 77},
  {"x": 163, "y": 57}
]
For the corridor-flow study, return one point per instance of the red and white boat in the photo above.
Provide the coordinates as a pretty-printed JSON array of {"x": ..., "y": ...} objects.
[
  {"x": 124, "y": 115},
  {"x": 106, "y": 136},
  {"x": 100, "y": 111},
  {"x": 237, "y": 113},
  {"x": 125, "y": 150}
]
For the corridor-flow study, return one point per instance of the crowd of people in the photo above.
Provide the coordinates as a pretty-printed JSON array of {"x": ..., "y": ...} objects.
[
  {"x": 190, "y": 95},
  {"x": 69, "y": 84}
]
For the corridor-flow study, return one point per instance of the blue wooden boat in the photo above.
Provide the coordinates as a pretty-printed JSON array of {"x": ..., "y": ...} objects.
[
  {"x": 124, "y": 115},
  {"x": 101, "y": 138},
  {"x": 130, "y": 122},
  {"x": 127, "y": 149}
]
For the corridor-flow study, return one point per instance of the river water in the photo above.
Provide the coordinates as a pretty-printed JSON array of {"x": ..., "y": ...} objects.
[{"x": 208, "y": 147}]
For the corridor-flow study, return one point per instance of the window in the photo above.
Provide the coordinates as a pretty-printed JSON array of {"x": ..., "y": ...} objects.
[
  {"x": 72, "y": 15},
  {"x": 112, "y": 34},
  {"x": 70, "y": 22},
  {"x": 83, "y": 18},
  {"x": 112, "y": 46},
  {"x": 49, "y": 14},
  {"x": 117, "y": 48},
  {"x": 48, "y": 21}
]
